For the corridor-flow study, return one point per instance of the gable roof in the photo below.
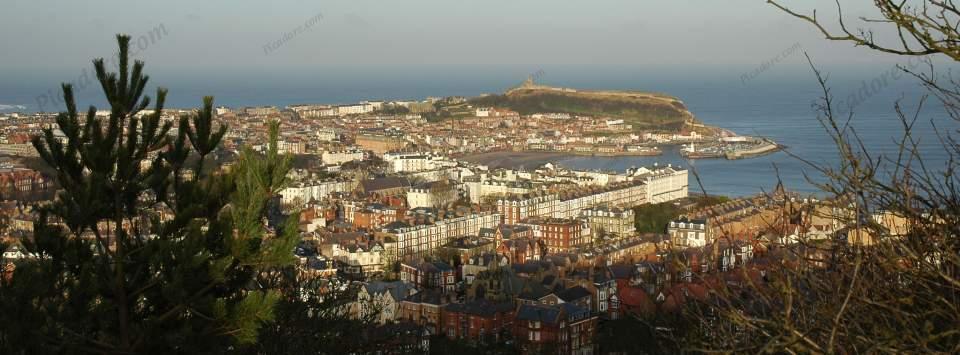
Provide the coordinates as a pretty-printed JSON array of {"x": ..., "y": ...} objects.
[
  {"x": 483, "y": 308},
  {"x": 573, "y": 294},
  {"x": 622, "y": 271},
  {"x": 397, "y": 289},
  {"x": 573, "y": 311},
  {"x": 435, "y": 266},
  {"x": 384, "y": 183},
  {"x": 544, "y": 314},
  {"x": 426, "y": 297},
  {"x": 533, "y": 290},
  {"x": 634, "y": 299}
]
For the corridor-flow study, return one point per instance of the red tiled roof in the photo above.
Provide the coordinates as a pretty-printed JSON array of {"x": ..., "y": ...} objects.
[{"x": 636, "y": 300}]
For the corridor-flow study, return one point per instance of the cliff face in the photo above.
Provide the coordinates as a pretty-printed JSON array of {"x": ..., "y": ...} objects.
[{"x": 645, "y": 111}]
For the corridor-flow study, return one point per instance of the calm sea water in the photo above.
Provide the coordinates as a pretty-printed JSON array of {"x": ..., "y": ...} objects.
[
  {"x": 782, "y": 110},
  {"x": 776, "y": 104}
]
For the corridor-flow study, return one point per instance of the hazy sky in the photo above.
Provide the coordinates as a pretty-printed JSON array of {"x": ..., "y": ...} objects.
[{"x": 53, "y": 36}]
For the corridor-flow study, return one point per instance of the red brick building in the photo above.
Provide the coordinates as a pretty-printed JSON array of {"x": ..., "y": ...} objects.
[
  {"x": 516, "y": 243},
  {"x": 478, "y": 321},
  {"x": 21, "y": 180},
  {"x": 561, "y": 329},
  {"x": 424, "y": 308},
  {"x": 430, "y": 275},
  {"x": 559, "y": 235},
  {"x": 376, "y": 215}
]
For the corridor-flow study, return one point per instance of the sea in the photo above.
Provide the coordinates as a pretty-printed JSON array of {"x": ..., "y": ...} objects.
[{"x": 768, "y": 101}]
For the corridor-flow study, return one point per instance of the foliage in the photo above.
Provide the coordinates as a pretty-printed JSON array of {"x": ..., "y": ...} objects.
[
  {"x": 629, "y": 335},
  {"x": 313, "y": 317},
  {"x": 641, "y": 114},
  {"x": 889, "y": 282},
  {"x": 395, "y": 110},
  {"x": 654, "y": 218},
  {"x": 709, "y": 200},
  {"x": 145, "y": 251},
  {"x": 442, "y": 345}
]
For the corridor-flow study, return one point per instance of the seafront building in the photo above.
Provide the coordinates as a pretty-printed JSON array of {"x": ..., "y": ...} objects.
[
  {"x": 432, "y": 194},
  {"x": 342, "y": 156},
  {"x": 421, "y": 239},
  {"x": 566, "y": 205},
  {"x": 609, "y": 220},
  {"x": 481, "y": 186},
  {"x": 303, "y": 192},
  {"x": 664, "y": 184},
  {"x": 414, "y": 162},
  {"x": 647, "y": 186}
]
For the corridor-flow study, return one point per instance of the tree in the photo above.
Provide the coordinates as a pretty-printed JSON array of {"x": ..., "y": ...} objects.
[
  {"x": 137, "y": 255},
  {"x": 654, "y": 218},
  {"x": 890, "y": 281},
  {"x": 923, "y": 27},
  {"x": 314, "y": 317},
  {"x": 629, "y": 335}
]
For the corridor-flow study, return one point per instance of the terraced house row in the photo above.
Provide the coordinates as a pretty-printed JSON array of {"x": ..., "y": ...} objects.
[
  {"x": 646, "y": 186},
  {"x": 421, "y": 239}
]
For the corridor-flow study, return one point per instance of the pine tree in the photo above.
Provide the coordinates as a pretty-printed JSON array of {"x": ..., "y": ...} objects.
[{"x": 146, "y": 249}]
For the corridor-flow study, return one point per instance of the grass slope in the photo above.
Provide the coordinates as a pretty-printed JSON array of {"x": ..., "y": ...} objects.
[{"x": 645, "y": 111}]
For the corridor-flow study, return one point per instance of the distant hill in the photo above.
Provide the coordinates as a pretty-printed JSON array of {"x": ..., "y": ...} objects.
[{"x": 645, "y": 111}]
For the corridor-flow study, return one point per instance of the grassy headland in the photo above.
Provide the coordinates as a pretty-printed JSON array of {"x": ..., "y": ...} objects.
[{"x": 644, "y": 111}]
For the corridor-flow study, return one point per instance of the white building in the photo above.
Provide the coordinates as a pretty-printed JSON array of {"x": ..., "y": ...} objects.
[
  {"x": 433, "y": 194},
  {"x": 300, "y": 193},
  {"x": 439, "y": 174},
  {"x": 482, "y": 186},
  {"x": 570, "y": 204},
  {"x": 314, "y": 111},
  {"x": 424, "y": 238},
  {"x": 357, "y": 260},
  {"x": 291, "y": 147},
  {"x": 261, "y": 111},
  {"x": 483, "y": 112},
  {"x": 663, "y": 184},
  {"x": 22, "y": 150},
  {"x": 13, "y": 252},
  {"x": 340, "y": 157},
  {"x": 328, "y": 134},
  {"x": 687, "y": 233},
  {"x": 619, "y": 221},
  {"x": 360, "y": 108},
  {"x": 383, "y": 299},
  {"x": 411, "y": 162}
]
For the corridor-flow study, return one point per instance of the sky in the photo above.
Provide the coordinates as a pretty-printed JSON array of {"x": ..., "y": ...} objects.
[
  {"x": 226, "y": 36},
  {"x": 212, "y": 45}
]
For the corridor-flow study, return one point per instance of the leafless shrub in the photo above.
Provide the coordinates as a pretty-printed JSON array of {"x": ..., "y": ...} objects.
[{"x": 887, "y": 280}]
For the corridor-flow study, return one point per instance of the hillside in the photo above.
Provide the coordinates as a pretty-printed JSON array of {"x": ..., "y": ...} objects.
[{"x": 645, "y": 111}]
